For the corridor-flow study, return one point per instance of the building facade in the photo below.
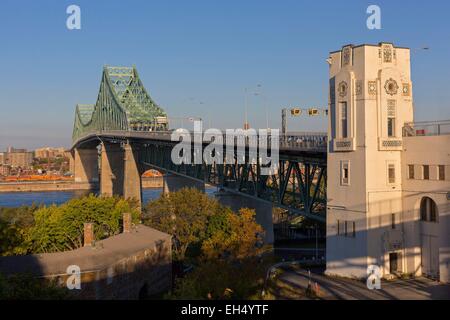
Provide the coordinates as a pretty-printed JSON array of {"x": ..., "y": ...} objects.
[
  {"x": 49, "y": 153},
  {"x": 22, "y": 159},
  {"x": 373, "y": 211},
  {"x": 5, "y": 170}
]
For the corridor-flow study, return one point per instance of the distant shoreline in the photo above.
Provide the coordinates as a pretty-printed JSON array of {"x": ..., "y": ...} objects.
[{"x": 39, "y": 186}]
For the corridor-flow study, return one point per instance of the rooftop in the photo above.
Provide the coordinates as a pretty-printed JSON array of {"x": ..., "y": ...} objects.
[{"x": 103, "y": 254}]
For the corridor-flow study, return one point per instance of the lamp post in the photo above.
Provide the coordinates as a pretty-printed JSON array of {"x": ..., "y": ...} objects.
[
  {"x": 246, "y": 91},
  {"x": 264, "y": 99},
  {"x": 246, "y": 124}
]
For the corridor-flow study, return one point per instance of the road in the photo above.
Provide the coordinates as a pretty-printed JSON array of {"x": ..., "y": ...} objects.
[{"x": 331, "y": 288}]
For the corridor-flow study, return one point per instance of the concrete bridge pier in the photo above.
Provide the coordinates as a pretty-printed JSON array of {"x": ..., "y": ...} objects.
[
  {"x": 263, "y": 210},
  {"x": 173, "y": 183},
  {"x": 85, "y": 165},
  {"x": 132, "y": 182},
  {"x": 111, "y": 170}
]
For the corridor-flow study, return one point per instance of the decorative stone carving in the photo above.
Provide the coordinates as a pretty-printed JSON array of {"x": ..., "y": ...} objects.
[
  {"x": 342, "y": 89},
  {"x": 391, "y": 108},
  {"x": 346, "y": 55},
  {"x": 406, "y": 90},
  {"x": 387, "y": 54},
  {"x": 391, "y": 87},
  {"x": 372, "y": 87},
  {"x": 359, "y": 87}
]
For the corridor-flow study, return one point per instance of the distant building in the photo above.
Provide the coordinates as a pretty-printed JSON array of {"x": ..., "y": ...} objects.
[
  {"x": 5, "y": 170},
  {"x": 13, "y": 150},
  {"x": 49, "y": 153},
  {"x": 20, "y": 159},
  {"x": 388, "y": 177},
  {"x": 17, "y": 158}
]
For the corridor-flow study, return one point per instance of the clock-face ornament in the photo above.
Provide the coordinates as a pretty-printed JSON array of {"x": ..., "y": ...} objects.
[{"x": 391, "y": 87}]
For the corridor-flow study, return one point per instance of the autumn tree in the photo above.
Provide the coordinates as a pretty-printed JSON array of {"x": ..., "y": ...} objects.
[
  {"x": 185, "y": 215},
  {"x": 233, "y": 236}
]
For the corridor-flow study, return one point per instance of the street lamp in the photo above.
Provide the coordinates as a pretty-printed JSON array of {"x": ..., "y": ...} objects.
[
  {"x": 246, "y": 125},
  {"x": 264, "y": 98},
  {"x": 246, "y": 91}
]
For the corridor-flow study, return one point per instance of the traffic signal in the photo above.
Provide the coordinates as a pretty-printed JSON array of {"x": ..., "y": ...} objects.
[
  {"x": 296, "y": 112},
  {"x": 313, "y": 112}
]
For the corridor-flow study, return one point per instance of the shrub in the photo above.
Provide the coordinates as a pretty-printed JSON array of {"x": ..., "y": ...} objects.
[{"x": 27, "y": 287}]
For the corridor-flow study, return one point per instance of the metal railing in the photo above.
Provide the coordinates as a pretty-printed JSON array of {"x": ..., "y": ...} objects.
[
  {"x": 308, "y": 141},
  {"x": 426, "y": 128}
]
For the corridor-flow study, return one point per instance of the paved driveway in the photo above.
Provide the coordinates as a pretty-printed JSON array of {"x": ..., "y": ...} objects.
[{"x": 331, "y": 288}]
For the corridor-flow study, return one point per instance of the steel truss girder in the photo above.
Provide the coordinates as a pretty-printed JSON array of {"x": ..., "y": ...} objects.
[
  {"x": 122, "y": 103},
  {"x": 299, "y": 185}
]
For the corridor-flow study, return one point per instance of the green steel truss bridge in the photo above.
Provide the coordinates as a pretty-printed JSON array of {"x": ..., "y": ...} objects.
[
  {"x": 125, "y": 115},
  {"x": 122, "y": 104}
]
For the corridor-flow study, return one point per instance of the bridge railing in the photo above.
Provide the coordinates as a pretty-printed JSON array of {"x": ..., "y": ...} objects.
[
  {"x": 309, "y": 141},
  {"x": 426, "y": 128}
]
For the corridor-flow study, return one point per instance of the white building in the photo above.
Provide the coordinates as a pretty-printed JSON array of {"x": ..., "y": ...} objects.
[{"x": 388, "y": 179}]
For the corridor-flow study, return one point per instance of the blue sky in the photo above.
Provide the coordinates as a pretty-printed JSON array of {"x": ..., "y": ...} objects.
[{"x": 195, "y": 51}]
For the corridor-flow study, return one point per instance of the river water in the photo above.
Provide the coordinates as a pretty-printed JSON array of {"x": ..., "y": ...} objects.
[{"x": 17, "y": 199}]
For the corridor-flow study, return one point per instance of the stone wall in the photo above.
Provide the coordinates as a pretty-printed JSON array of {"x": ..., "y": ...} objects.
[{"x": 130, "y": 265}]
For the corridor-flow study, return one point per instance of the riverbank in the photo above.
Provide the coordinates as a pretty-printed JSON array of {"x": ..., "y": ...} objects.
[{"x": 39, "y": 186}]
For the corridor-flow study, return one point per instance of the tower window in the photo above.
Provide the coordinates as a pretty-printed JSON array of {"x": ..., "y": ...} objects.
[
  {"x": 345, "y": 173},
  {"x": 391, "y": 127},
  {"x": 343, "y": 118},
  {"x": 391, "y": 109},
  {"x": 391, "y": 173},
  {"x": 393, "y": 221},
  {"x": 411, "y": 171},
  {"x": 426, "y": 172},
  {"x": 428, "y": 210},
  {"x": 441, "y": 174}
]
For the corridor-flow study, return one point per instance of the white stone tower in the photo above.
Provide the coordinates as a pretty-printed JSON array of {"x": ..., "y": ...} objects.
[{"x": 370, "y": 100}]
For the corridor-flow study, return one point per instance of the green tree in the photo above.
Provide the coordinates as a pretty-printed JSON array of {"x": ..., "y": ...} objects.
[
  {"x": 15, "y": 225},
  {"x": 61, "y": 228}
]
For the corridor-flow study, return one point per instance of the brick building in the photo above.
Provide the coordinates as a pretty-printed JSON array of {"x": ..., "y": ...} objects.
[{"x": 49, "y": 153}]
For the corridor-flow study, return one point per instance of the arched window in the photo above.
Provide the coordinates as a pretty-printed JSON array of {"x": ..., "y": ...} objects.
[{"x": 428, "y": 210}]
